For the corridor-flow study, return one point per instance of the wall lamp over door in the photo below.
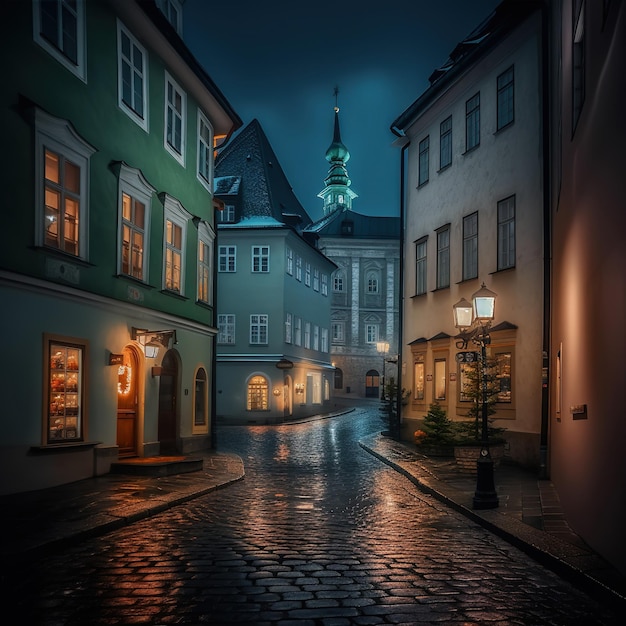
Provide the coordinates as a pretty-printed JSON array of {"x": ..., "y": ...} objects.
[{"x": 153, "y": 340}]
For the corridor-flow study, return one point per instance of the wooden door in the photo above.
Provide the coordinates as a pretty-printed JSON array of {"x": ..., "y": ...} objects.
[
  {"x": 127, "y": 405},
  {"x": 168, "y": 395}
]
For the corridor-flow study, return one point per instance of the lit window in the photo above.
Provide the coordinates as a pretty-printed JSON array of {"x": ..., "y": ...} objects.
[
  {"x": 59, "y": 28},
  {"x": 205, "y": 264},
  {"x": 258, "y": 394},
  {"x": 135, "y": 198},
  {"x": 419, "y": 379},
  {"x": 132, "y": 77},
  {"x": 61, "y": 168},
  {"x": 175, "y": 127},
  {"x": 176, "y": 219},
  {"x": 440, "y": 379},
  {"x": 65, "y": 384}
]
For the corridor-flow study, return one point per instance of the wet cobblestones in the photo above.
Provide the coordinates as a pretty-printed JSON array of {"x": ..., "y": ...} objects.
[{"x": 318, "y": 533}]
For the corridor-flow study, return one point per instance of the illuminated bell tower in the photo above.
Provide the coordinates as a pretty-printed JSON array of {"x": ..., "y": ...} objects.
[{"x": 337, "y": 193}]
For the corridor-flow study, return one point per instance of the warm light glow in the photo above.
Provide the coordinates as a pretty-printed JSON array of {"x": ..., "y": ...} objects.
[
  {"x": 484, "y": 304},
  {"x": 463, "y": 314},
  {"x": 124, "y": 374},
  {"x": 382, "y": 347}
]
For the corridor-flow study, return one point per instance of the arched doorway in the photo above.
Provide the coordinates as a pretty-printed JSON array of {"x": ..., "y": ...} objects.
[
  {"x": 127, "y": 404},
  {"x": 338, "y": 378},
  {"x": 372, "y": 383},
  {"x": 168, "y": 396}
]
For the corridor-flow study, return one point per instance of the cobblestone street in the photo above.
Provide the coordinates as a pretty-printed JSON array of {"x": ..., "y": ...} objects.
[{"x": 319, "y": 532}]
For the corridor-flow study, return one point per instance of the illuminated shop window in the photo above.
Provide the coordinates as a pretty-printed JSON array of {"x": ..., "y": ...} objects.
[
  {"x": 258, "y": 394},
  {"x": 65, "y": 391}
]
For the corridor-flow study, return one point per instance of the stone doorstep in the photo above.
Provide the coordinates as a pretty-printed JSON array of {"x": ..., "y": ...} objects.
[{"x": 157, "y": 465}]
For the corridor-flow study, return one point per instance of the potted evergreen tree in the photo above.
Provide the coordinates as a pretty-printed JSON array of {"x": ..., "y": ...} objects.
[
  {"x": 468, "y": 441},
  {"x": 437, "y": 438}
]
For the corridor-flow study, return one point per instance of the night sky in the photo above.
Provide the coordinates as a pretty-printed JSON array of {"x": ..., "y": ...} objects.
[{"x": 279, "y": 62}]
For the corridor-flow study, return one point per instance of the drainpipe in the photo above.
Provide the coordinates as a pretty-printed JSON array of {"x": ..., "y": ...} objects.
[
  {"x": 397, "y": 427},
  {"x": 547, "y": 246}
]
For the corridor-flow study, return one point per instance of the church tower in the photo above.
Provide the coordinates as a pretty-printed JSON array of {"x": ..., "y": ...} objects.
[{"x": 337, "y": 193}]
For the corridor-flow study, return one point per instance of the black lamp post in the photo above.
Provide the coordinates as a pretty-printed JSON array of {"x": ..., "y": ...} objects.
[{"x": 473, "y": 321}]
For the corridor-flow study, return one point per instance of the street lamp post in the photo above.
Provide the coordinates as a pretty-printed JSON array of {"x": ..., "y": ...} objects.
[
  {"x": 473, "y": 321},
  {"x": 382, "y": 347}
]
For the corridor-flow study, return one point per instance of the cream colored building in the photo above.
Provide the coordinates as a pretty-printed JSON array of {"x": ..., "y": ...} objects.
[{"x": 474, "y": 214}]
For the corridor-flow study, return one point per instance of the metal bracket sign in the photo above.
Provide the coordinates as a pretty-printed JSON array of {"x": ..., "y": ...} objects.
[{"x": 467, "y": 357}]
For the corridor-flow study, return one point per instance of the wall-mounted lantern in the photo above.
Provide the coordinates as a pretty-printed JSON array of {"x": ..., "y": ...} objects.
[{"x": 153, "y": 340}]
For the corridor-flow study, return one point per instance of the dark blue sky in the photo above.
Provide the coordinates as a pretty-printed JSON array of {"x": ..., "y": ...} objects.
[{"x": 279, "y": 61}]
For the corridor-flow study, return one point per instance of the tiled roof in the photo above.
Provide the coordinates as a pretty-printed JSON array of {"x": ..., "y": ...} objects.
[{"x": 263, "y": 188}]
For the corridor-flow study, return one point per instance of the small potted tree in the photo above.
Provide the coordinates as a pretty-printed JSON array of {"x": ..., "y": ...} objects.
[
  {"x": 468, "y": 440},
  {"x": 437, "y": 437}
]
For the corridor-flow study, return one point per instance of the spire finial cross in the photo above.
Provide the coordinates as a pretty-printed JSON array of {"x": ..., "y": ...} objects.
[{"x": 336, "y": 93}]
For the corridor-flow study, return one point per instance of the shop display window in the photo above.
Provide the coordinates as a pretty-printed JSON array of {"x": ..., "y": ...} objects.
[{"x": 65, "y": 392}]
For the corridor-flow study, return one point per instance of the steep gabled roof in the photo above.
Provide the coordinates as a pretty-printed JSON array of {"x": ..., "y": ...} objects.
[
  {"x": 263, "y": 188},
  {"x": 361, "y": 226}
]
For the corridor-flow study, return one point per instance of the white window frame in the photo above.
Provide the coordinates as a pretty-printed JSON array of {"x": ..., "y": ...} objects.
[
  {"x": 316, "y": 279},
  {"x": 297, "y": 335},
  {"x": 307, "y": 274},
  {"x": 324, "y": 284},
  {"x": 181, "y": 115},
  {"x": 423, "y": 161},
  {"x": 289, "y": 261},
  {"x": 338, "y": 281},
  {"x": 298, "y": 268},
  {"x": 55, "y": 49},
  {"x": 324, "y": 342},
  {"x": 226, "y": 324},
  {"x": 227, "y": 214},
  {"x": 206, "y": 237},
  {"x": 338, "y": 332},
  {"x": 288, "y": 327},
  {"x": 140, "y": 119},
  {"x": 307, "y": 335},
  {"x": 316, "y": 337},
  {"x": 260, "y": 259},
  {"x": 372, "y": 282},
  {"x": 133, "y": 183},
  {"x": 58, "y": 136},
  {"x": 176, "y": 213},
  {"x": 205, "y": 153},
  {"x": 371, "y": 332},
  {"x": 259, "y": 329},
  {"x": 226, "y": 255}
]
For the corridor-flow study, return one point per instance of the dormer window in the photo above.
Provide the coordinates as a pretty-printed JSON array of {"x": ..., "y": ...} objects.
[
  {"x": 347, "y": 227},
  {"x": 173, "y": 11},
  {"x": 340, "y": 199}
]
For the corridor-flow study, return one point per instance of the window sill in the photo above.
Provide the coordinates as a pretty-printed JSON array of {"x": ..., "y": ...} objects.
[
  {"x": 472, "y": 149},
  {"x": 174, "y": 294},
  {"x": 444, "y": 168},
  {"x": 63, "y": 447},
  {"x": 503, "y": 128}
]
